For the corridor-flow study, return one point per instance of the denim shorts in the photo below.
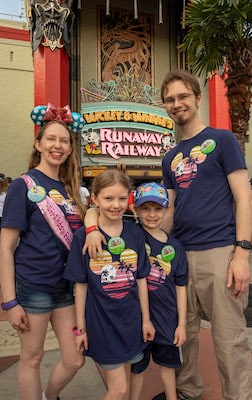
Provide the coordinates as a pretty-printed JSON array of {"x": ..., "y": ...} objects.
[
  {"x": 133, "y": 360},
  {"x": 36, "y": 302},
  {"x": 168, "y": 356}
]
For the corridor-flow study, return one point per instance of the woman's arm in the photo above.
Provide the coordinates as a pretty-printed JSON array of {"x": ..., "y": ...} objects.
[
  {"x": 8, "y": 243},
  {"x": 94, "y": 239}
]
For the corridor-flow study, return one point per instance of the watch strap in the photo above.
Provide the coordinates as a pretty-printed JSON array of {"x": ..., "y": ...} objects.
[{"x": 245, "y": 244}]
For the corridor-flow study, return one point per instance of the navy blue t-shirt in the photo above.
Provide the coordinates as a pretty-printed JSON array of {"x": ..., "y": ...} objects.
[
  {"x": 162, "y": 280},
  {"x": 112, "y": 312},
  {"x": 197, "y": 170},
  {"x": 39, "y": 263}
]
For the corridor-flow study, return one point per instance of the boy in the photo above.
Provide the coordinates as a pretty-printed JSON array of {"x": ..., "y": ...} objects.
[{"x": 167, "y": 282}]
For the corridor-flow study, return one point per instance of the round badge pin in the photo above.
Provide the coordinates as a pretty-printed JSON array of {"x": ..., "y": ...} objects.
[
  {"x": 168, "y": 253},
  {"x": 116, "y": 245},
  {"x": 36, "y": 194}
]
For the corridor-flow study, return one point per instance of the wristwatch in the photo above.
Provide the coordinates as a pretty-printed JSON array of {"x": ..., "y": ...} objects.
[{"x": 245, "y": 244}]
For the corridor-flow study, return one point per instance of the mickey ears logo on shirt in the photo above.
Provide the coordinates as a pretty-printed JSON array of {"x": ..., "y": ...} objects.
[
  {"x": 40, "y": 115},
  {"x": 116, "y": 277},
  {"x": 185, "y": 168}
]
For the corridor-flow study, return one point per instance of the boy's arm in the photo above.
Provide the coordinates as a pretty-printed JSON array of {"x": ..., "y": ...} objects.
[
  {"x": 148, "y": 328},
  {"x": 180, "y": 332},
  {"x": 80, "y": 304},
  {"x": 94, "y": 239}
]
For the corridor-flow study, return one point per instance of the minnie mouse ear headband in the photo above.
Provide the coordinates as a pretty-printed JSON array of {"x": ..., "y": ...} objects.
[{"x": 42, "y": 114}]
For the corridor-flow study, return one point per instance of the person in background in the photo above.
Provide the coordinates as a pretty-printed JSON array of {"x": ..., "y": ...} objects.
[
  {"x": 131, "y": 210},
  {"x": 42, "y": 209},
  {"x": 4, "y": 184},
  {"x": 210, "y": 207},
  {"x": 85, "y": 195},
  {"x": 167, "y": 282},
  {"x": 111, "y": 296}
]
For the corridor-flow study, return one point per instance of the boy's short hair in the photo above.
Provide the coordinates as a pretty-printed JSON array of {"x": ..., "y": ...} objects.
[{"x": 151, "y": 191}]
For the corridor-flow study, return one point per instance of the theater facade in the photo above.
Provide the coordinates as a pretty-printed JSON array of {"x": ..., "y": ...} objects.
[{"x": 107, "y": 59}]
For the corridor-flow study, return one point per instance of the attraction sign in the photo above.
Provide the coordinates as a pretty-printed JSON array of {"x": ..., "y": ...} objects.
[{"x": 125, "y": 132}]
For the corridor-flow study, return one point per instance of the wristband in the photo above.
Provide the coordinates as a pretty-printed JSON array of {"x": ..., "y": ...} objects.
[
  {"x": 91, "y": 229},
  {"x": 9, "y": 304},
  {"x": 78, "y": 332}
]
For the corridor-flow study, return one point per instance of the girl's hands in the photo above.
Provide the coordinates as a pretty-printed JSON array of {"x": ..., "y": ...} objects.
[
  {"x": 148, "y": 331},
  {"x": 82, "y": 342}
]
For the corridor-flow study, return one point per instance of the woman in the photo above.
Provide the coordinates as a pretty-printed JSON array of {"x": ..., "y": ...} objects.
[{"x": 42, "y": 209}]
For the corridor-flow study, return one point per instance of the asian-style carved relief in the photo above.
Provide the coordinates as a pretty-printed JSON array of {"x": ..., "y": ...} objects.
[{"x": 125, "y": 47}]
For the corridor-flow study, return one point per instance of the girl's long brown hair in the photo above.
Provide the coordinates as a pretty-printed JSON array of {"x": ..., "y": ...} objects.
[
  {"x": 69, "y": 172},
  {"x": 108, "y": 178}
]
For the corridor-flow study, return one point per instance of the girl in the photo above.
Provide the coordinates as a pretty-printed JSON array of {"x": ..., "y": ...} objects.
[
  {"x": 39, "y": 217},
  {"x": 111, "y": 297}
]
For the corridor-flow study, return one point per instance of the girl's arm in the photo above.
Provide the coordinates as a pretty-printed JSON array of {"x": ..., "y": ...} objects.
[
  {"x": 94, "y": 239},
  {"x": 80, "y": 304},
  {"x": 8, "y": 243},
  {"x": 147, "y": 326},
  {"x": 180, "y": 332}
]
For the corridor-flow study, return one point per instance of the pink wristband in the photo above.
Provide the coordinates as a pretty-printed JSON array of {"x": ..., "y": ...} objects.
[{"x": 78, "y": 332}]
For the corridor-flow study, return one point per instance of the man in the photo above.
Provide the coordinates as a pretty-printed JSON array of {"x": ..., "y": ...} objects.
[{"x": 209, "y": 192}]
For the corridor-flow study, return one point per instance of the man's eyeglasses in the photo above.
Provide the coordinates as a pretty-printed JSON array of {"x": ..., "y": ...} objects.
[{"x": 170, "y": 101}]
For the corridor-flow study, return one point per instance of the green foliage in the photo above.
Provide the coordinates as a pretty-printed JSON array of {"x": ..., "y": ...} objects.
[{"x": 215, "y": 28}]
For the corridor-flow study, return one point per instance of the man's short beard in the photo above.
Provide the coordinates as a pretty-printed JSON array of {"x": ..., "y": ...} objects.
[{"x": 181, "y": 121}]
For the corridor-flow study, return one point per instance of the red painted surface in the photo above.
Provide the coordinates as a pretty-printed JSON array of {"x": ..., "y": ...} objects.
[
  {"x": 14, "y": 34},
  {"x": 218, "y": 103},
  {"x": 51, "y": 78}
]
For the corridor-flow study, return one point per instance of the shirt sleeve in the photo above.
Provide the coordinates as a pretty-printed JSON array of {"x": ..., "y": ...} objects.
[
  {"x": 16, "y": 208},
  {"x": 76, "y": 270}
]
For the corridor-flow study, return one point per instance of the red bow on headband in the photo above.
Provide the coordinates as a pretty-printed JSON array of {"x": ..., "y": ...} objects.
[{"x": 61, "y": 114}]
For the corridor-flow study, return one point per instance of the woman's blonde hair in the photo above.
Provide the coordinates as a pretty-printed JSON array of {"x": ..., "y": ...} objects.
[{"x": 69, "y": 172}]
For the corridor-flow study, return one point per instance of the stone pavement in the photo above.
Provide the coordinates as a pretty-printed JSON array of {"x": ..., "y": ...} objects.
[{"x": 88, "y": 383}]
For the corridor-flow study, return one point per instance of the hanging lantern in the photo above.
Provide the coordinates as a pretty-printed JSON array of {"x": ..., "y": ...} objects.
[
  {"x": 135, "y": 10},
  {"x": 160, "y": 14},
  {"x": 107, "y": 7},
  {"x": 183, "y": 15}
]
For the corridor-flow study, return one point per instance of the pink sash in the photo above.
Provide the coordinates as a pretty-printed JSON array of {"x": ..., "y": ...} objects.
[{"x": 53, "y": 215}]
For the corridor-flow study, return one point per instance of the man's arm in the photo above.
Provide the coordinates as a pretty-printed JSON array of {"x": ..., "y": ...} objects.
[
  {"x": 239, "y": 266},
  {"x": 167, "y": 223}
]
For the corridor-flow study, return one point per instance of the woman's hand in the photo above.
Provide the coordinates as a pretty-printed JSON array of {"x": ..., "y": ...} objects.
[{"x": 18, "y": 319}]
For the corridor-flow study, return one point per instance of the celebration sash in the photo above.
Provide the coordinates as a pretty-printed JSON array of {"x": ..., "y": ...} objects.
[{"x": 52, "y": 214}]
